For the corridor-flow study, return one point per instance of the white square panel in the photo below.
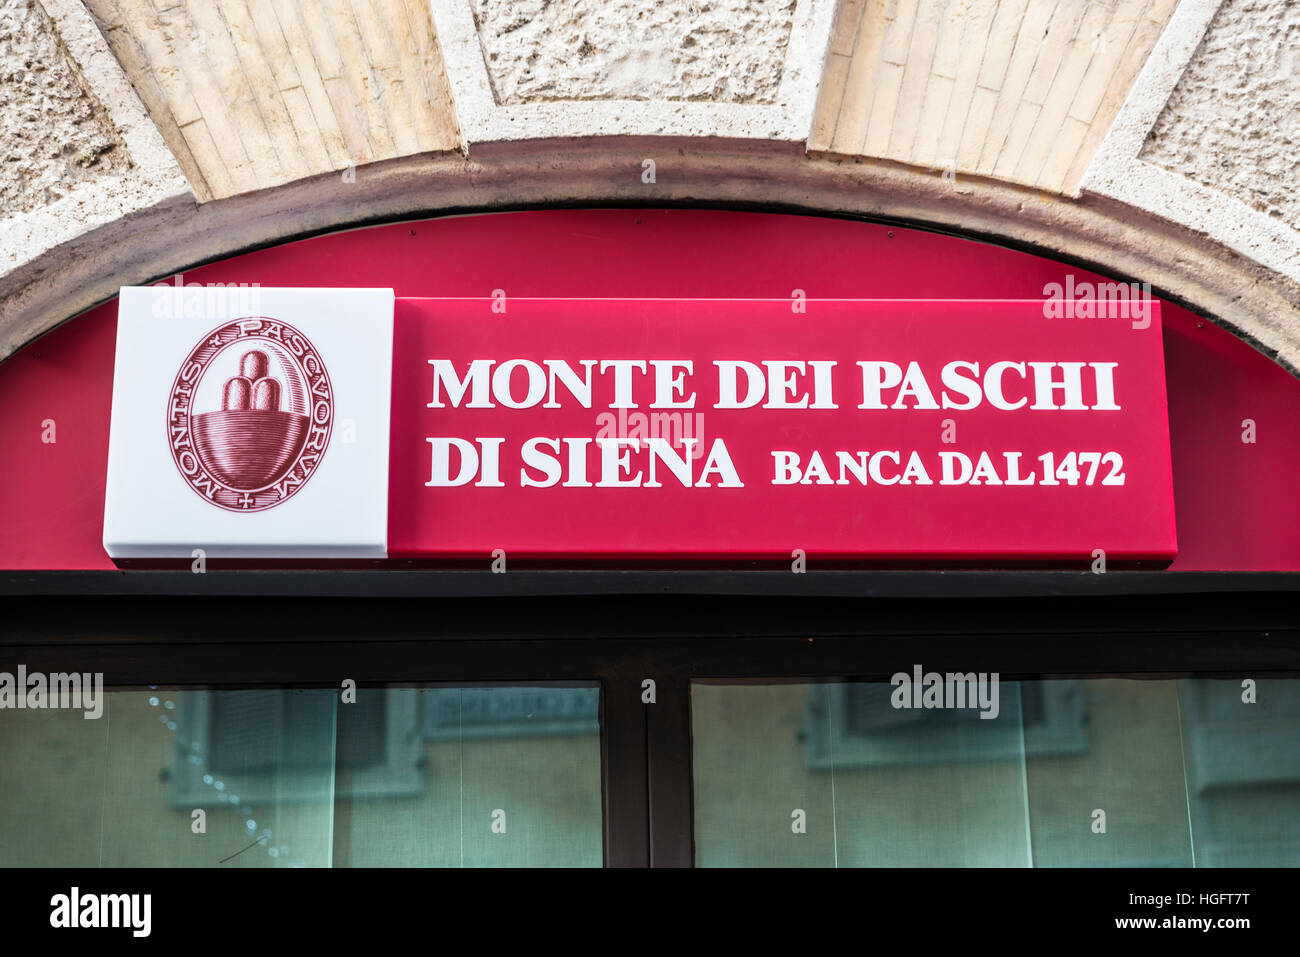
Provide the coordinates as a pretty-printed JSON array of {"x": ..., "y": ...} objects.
[{"x": 250, "y": 423}]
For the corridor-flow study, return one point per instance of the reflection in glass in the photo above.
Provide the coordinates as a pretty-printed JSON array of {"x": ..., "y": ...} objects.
[
  {"x": 510, "y": 777},
  {"x": 1071, "y": 772},
  {"x": 1242, "y": 739},
  {"x": 438, "y": 776}
]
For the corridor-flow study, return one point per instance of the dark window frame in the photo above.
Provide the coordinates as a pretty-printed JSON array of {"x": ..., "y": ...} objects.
[{"x": 264, "y": 628}]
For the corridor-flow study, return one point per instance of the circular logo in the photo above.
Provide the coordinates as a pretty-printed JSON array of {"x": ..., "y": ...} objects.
[{"x": 250, "y": 414}]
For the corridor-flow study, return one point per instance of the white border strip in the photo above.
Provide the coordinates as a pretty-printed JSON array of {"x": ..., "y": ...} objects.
[
  {"x": 1117, "y": 171},
  {"x": 482, "y": 120}
]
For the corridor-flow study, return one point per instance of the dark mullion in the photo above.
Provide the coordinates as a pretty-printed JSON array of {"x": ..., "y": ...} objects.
[
  {"x": 320, "y": 622},
  {"x": 263, "y": 660},
  {"x": 623, "y": 772},
  {"x": 668, "y": 752},
  {"x": 558, "y": 582}
]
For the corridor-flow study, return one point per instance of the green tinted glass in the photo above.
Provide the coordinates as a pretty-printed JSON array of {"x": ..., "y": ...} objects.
[
  {"x": 1063, "y": 772},
  {"x": 418, "y": 776}
]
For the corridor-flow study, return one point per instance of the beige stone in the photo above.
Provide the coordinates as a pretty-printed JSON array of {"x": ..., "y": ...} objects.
[
  {"x": 254, "y": 93},
  {"x": 726, "y": 51},
  {"x": 1233, "y": 121},
  {"x": 916, "y": 80},
  {"x": 847, "y": 116},
  {"x": 55, "y": 131},
  {"x": 1011, "y": 92}
]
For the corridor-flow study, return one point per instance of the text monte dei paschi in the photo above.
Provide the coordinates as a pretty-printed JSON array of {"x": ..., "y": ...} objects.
[{"x": 671, "y": 386}]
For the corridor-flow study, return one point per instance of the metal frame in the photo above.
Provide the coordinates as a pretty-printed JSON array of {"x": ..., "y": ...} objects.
[
  {"x": 399, "y": 581},
  {"x": 623, "y": 627}
]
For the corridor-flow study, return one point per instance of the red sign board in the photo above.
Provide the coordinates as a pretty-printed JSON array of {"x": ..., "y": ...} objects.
[{"x": 899, "y": 430}]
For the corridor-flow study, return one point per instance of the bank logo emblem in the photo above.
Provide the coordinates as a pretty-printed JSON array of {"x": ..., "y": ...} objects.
[{"x": 250, "y": 414}]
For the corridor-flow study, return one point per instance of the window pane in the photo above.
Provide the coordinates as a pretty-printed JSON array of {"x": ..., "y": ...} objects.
[
  {"x": 1130, "y": 770},
  {"x": 876, "y": 785},
  {"x": 751, "y": 774},
  {"x": 1071, "y": 772},
  {"x": 500, "y": 777},
  {"x": 122, "y": 790},
  {"x": 1243, "y": 770},
  {"x": 443, "y": 776}
]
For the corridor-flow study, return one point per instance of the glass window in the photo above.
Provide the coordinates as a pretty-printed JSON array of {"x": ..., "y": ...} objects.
[
  {"x": 1242, "y": 742},
  {"x": 942, "y": 772},
  {"x": 414, "y": 776},
  {"x": 500, "y": 777}
]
